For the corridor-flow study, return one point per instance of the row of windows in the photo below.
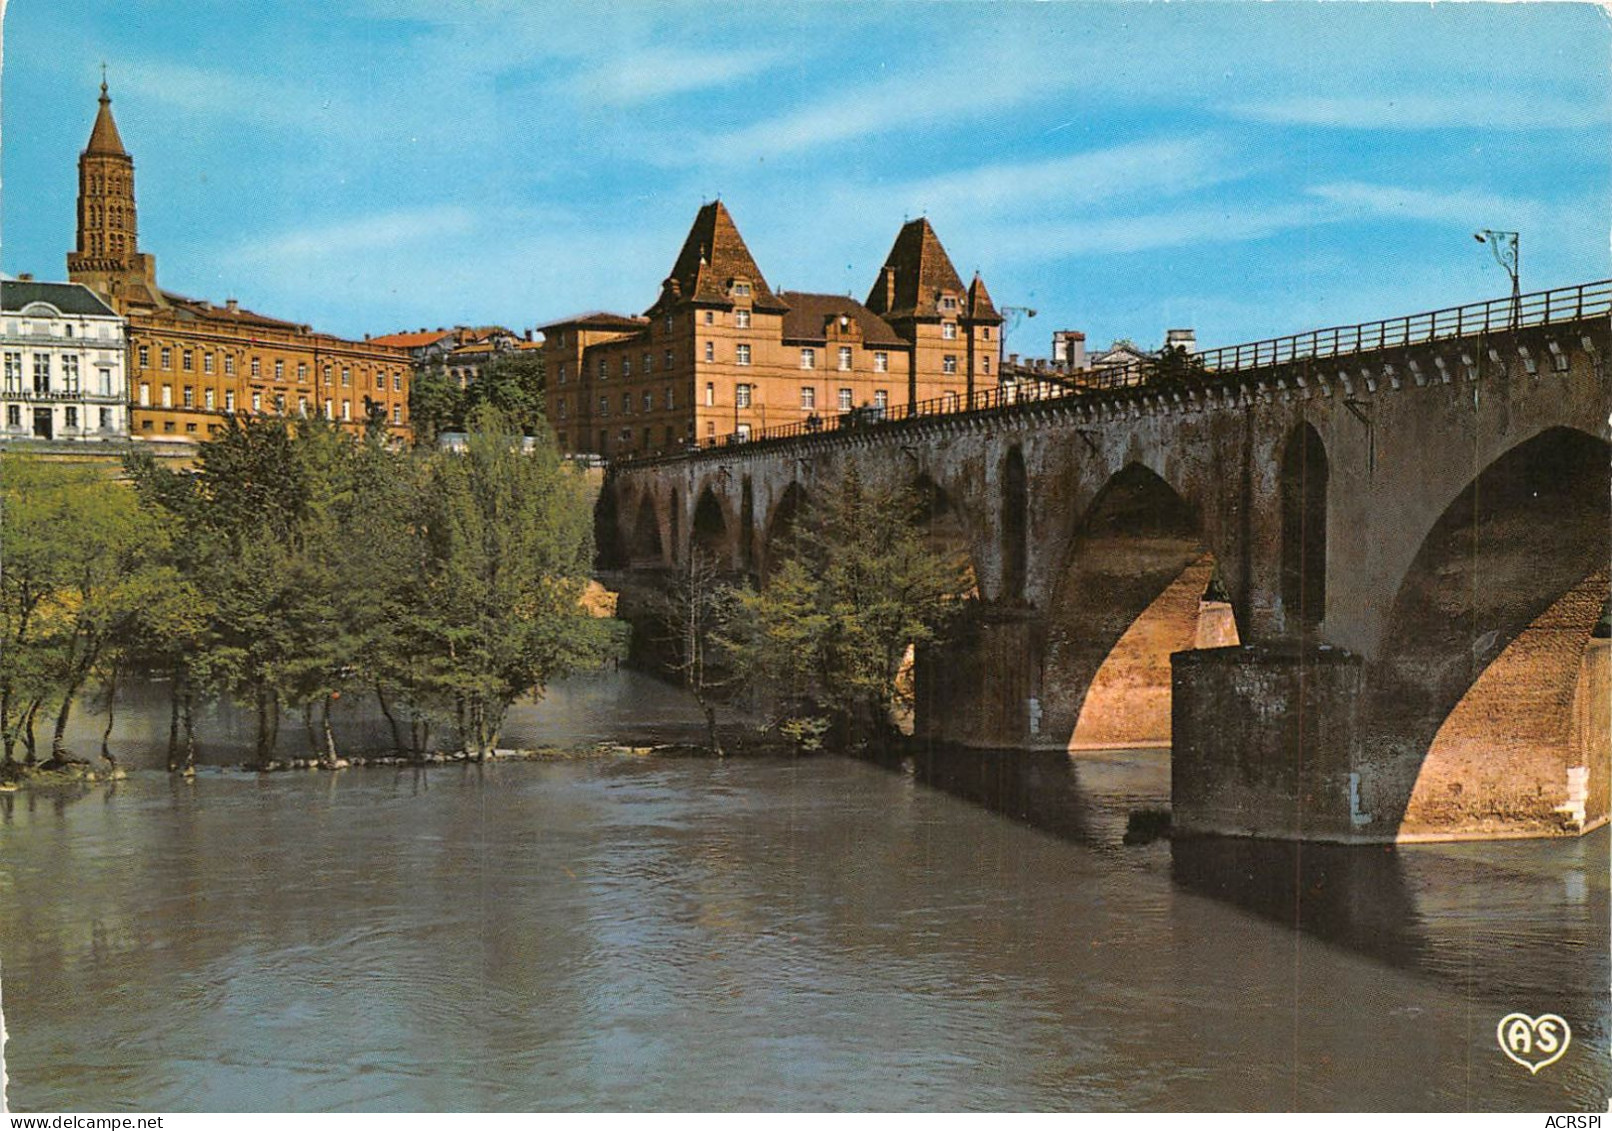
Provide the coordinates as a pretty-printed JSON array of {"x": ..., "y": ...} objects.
[
  {"x": 210, "y": 403},
  {"x": 61, "y": 329},
  {"x": 187, "y": 364},
  {"x": 43, "y": 424},
  {"x": 42, "y": 374}
]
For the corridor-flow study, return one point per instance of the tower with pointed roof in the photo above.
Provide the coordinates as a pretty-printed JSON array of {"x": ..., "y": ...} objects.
[
  {"x": 720, "y": 354},
  {"x": 107, "y": 258},
  {"x": 954, "y": 332}
]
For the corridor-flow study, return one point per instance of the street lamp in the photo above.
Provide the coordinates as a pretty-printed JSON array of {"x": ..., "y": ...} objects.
[
  {"x": 1508, "y": 253},
  {"x": 1010, "y": 319}
]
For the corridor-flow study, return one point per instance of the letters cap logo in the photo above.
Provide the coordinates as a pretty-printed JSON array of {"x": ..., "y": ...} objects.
[{"x": 1533, "y": 1042}]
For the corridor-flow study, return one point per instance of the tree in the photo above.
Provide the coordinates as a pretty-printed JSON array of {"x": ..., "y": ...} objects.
[
  {"x": 75, "y": 566},
  {"x": 858, "y": 585},
  {"x": 509, "y": 550},
  {"x": 1177, "y": 366},
  {"x": 696, "y": 616},
  {"x": 436, "y": 405},
  {"x": 513, "y": 386}
]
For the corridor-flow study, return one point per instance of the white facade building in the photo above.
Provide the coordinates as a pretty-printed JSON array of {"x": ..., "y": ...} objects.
[{"x": 62, "y": 373}]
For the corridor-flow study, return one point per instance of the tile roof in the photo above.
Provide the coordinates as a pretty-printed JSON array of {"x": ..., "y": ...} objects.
[
  {"x": 104, "y": 139},
  {"x": 202, "y": 310},
  {"x": 915, "y": 272},
  {"x": 980, "y": 307},
  {"x": 713, "y": 255},
  {"x": 412, "y": 340},
  {"x": 69, "y": 298},
  {"x": 809, "y": 314},
  {"x": 600, "y": 320}
]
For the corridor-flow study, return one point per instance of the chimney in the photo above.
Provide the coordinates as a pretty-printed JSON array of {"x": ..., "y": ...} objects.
[
  {"x": 889, "y": 288},
  {"x": 232, "y": 306},
  {"x": 1069, "y": 347},
  {"x": 1185, "y": 339},
  {"x": 529, "y": 334},
  {"x": 25, "y": 277}
]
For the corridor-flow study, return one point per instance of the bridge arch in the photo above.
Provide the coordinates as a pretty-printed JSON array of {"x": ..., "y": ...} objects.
[
  {"x": 1304, "y": 476},
  {"x": 1473, "y": 709},
  {"x": 1138, "y": 584},
  {"x": 609, "y": 541},
  {"x": 675, "y": 521},
  {"x": 747, "y": 526},
  {"x": 710, "y": 533},
  {"x": 645, "y": 548},
  {"x": 781, "y": 525}
]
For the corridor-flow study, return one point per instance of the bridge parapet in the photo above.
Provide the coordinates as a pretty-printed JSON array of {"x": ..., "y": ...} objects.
[
  {"x": 1413, "y": 494},
  {"x": 1353, "y": 359}
]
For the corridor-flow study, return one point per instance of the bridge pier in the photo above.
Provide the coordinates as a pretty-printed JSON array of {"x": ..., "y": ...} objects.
[
  {"x": 1264, "y": 743},
  {"x": 982, "y": 687},
  {"x": 1275, "y": 742}
]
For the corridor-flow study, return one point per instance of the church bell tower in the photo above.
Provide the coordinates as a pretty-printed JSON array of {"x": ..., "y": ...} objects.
[{"x": 107, "y": 258}]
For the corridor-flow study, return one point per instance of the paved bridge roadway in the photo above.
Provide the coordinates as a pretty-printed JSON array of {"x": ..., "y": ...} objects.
[{"x": 1407, "y": 523}]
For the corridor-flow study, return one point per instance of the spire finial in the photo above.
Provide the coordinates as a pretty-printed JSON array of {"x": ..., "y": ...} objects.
[{"x": 104, "y": 97}]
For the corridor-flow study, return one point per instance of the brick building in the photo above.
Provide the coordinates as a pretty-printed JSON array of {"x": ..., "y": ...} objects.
[
  {"x": 720, "y": 354},
  {"x": 191, "y": 363},
  {"x": 463, "y": 352}
]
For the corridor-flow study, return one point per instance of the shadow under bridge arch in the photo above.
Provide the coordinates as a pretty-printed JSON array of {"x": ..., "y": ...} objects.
[
  {"x": 1485, "y": 711},
  {"x": 1138, "y": 584}
]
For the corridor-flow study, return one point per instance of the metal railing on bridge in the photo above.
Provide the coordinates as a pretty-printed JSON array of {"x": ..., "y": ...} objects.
[{"x": 1563, "y": 304}]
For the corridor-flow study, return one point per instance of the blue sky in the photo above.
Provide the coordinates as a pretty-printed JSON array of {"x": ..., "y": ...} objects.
[{"x": 1245, "y": 169}]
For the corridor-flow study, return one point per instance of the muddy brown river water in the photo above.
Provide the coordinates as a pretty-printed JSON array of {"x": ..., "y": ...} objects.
[{"x": 817, "y": 933}]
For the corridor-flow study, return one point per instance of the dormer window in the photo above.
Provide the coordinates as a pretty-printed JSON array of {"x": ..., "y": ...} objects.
[
  {"x": 948, "y": 302},
  {"x": 741, "y": 290}
]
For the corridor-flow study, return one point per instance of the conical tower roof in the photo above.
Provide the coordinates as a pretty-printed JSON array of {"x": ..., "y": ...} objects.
[
  {"x": 980, "y": 306},
  {"x": 104, "y": 139},
  {"x": 915, "y": 272},
  {"x": 713, "y": 255}
]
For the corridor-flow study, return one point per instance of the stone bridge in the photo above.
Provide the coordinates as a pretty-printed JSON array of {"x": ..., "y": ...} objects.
[{"x": 1354, "y": 579}]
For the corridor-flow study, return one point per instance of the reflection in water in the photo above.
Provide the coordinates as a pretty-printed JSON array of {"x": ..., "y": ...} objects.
[
  {"x": 815, "y": 933},
  {"x": 613, "y": 706},
  {"x": 1533, "y": 917}
]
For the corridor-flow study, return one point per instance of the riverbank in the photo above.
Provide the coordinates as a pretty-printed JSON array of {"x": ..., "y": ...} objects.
[{"x": 15, "y": 776}]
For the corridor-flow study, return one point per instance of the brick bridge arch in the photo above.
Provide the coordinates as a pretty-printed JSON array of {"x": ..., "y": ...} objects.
[{"x": 1321, "y": 488}]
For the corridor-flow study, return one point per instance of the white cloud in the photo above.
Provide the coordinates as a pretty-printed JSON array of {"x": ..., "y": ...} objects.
[
  {"x": 1453, "y": 206},
  {"x": 894, "y": 103},
  {"x": 1166, "y": 166},
  {"x": 644, "y": 75},
  {"x": 1115, "y": 235},
  {"x": 299, "y": 249},
  {"x": 204, "y": 92},
  {"x": 1421, "y": 111}
]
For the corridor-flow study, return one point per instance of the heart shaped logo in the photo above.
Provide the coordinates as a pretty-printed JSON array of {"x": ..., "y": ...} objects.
[{"x": 1533, "y": 1042}]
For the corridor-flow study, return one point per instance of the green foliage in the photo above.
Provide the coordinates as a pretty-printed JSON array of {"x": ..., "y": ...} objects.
[
  {"x": 697, "y": 616},
  {"x": 1177, "y": 366},
  {"x": 436, "y": 405},
  {"x": 859, "y": 584},
  {"x": 508, "y": 535},
  {"x": 314, "y": 565},
  {"x": 512, "y": 386},
  {"x": 79, "y": 567}
]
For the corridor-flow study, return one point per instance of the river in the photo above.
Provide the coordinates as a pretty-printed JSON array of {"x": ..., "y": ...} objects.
[{"x": 820, "y": 933}]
